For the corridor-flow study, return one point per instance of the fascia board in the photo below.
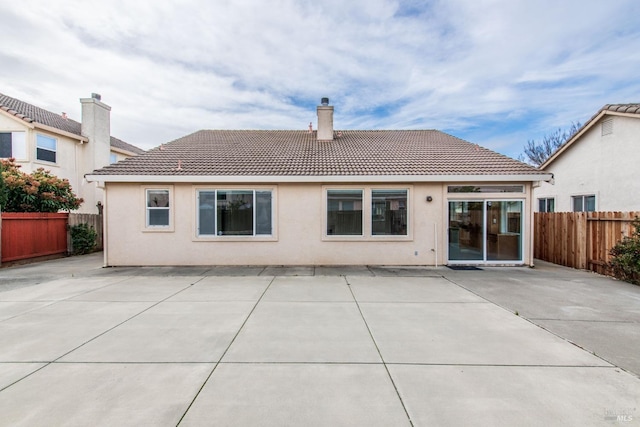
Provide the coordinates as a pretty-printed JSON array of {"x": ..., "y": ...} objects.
[
  {"x": 51, "y": 129},
  {"x": 316, "y": 179}
]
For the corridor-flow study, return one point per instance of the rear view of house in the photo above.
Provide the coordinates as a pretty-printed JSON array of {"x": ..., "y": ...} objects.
[{"x": 244, "y": 197}]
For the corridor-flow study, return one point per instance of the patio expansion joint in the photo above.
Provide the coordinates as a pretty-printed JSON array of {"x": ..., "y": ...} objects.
[
  {"x": 47, "y": 363},
  {"x": 532, "y": 321},
  {"x": 386, "y": 368},
  {"x": 225, "y": 351},
  {"x": 582, "y": 320}
]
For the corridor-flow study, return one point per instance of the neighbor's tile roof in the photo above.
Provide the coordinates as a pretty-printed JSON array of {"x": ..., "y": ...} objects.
[
  {"x": 30, "y": 114},
  {"x": 299, "y": 153},
  {"x": 623, "y": 108}
]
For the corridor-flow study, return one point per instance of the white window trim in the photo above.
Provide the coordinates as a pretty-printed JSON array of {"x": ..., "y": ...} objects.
[
  {"x": 158, "y": 228},
  {"x": 56, "y": 151},
  {"x": 367, "y": 232},
  {"x": 273, "y": 237}
]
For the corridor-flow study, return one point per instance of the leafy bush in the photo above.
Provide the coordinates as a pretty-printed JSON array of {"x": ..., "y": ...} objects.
[
  {"x": 39, "y": 191},
  {"x": 625, "y": 263},
  {"x": 83, "y": 239}
]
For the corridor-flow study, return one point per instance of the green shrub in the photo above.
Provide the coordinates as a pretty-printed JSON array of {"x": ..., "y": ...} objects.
[
  {"x": 83, "y": 239},
  {"x": 625, "y": 263}
]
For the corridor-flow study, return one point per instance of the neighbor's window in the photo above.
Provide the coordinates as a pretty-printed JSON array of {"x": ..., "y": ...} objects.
[
  {"x": 13, "y": 144},
  {"x": 46, "y": 148},
  {"x": 547, "y": 204},
  {"x": 389, "y": 212},
  {"x": 113, "y": 158},
  {"x": 235, "y": 213},
  {"x": 584, "y": 203},
  {"x": 344, "y": 212},
  {"x": 157, "y": 208}
]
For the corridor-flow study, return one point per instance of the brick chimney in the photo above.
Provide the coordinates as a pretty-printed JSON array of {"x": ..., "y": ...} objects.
[{"x": 325, "y": 120}]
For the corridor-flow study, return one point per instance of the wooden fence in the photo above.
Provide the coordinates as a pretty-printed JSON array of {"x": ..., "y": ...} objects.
[
  {"x": 29, "y": 235},
  {"x": 92, "y": 220},
  {"x": 26, "y": 235},
  {"x": 580, "y": 239}
]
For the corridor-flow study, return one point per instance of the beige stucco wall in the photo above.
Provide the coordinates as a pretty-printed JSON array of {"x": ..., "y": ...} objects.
[
  {"x": 602, "y": 165},
  {"x": 70, "y": 160},
  {"x": 299, "y": 229}
]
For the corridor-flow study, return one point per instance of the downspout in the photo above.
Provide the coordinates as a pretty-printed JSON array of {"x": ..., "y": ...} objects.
[
  {"x": 435, "y": 237},
  {"x": 105, "y": 228}
]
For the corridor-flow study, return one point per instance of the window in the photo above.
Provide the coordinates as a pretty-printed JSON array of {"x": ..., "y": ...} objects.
[
  {"x": 157, "y": 208},
  {"x": 584, "y": 203},
  {"x": 235, "y": 213},
  {"x": 113, "y": 158},
  {"x": 389, "y": 212},
  {"x": 46, "y": 148},
  {"x": 485, "y": 189},
  {"x": 546, "y": 204},
  {"x": 13, "y": 144},
  {"x": 344, "y": 212}
]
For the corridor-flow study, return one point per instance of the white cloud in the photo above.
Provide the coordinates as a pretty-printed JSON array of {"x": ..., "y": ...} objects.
[{"x": 169, "y": 68}]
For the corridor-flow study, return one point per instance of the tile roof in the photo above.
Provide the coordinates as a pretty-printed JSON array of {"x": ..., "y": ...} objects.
[
  {"x": 30, "y": 114},
  {"x": 299, "y": 153},
  {"x": 623, "y": 108}
]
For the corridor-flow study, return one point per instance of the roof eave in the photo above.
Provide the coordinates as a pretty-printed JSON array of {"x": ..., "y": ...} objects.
[
  {"x": 51, "y": 129},
  {"x": 230, "y": 179}
]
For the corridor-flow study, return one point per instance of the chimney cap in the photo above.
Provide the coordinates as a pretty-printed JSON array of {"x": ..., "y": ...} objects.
[
  {"x": 324, "y": 101},
  {"x": 96, "y": 96}
]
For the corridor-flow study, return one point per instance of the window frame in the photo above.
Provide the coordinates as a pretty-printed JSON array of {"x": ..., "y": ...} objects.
[
  {"x": 406, "y": 210},
  {"x": 367, "y": 214},
  {"x": 583, "y": 198},
  {"x": 197, "y": 236},
  {"x": 47, "y": 149},
  {"x": 171, "y": 209},
  {"x": 23, "y": 150},
  {"x": 546, "y": 204},
  {"x": 362, "y": 213}
]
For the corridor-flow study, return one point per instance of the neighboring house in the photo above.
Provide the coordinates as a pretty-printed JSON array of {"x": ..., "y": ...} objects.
[
  {"x": 247, "y": 197},
  {"x": 39, "y": 138},
  {"x": 597, "y": 168}
]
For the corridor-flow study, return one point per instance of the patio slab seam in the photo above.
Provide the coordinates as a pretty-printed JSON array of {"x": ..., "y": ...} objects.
[
  {"x": 47, "y": 363},
  {"x": 386, "y": 368},
  {"x": 208, "y": 377}
]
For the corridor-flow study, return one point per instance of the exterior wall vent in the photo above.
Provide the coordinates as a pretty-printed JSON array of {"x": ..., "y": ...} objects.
[{"x": 607, "y": 127}]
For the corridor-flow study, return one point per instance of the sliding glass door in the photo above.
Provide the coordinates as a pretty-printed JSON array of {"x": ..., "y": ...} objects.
[{"x": 485, "y": 231}]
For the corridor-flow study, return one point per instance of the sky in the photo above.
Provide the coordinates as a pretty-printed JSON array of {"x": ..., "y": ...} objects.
[{"x": 493, "y": 72}]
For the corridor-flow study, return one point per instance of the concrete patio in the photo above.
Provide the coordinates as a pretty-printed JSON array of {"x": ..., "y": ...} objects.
[{"x": 325, "y": 346}]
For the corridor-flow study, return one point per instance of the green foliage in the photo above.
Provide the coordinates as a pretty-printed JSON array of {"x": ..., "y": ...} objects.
[
  {"x": 536, "y": 153},
  {"x": 83, "y": 239},
  {"x": 39, "y": 191},
  {"x": 625, "y": 263}
]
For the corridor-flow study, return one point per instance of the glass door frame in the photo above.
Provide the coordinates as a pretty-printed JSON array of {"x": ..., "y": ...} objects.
[{"x": 484, "y": 260}]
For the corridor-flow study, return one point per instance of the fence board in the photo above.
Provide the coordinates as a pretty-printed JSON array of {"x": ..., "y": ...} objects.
[
  {"x": 92, "y": 220},
  {"x": 579, "y": 239},
  {"x": 29, "y": 235}
]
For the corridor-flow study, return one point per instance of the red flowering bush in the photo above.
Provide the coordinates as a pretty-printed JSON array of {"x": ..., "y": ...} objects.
[{"x": 39, "y": 191}]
